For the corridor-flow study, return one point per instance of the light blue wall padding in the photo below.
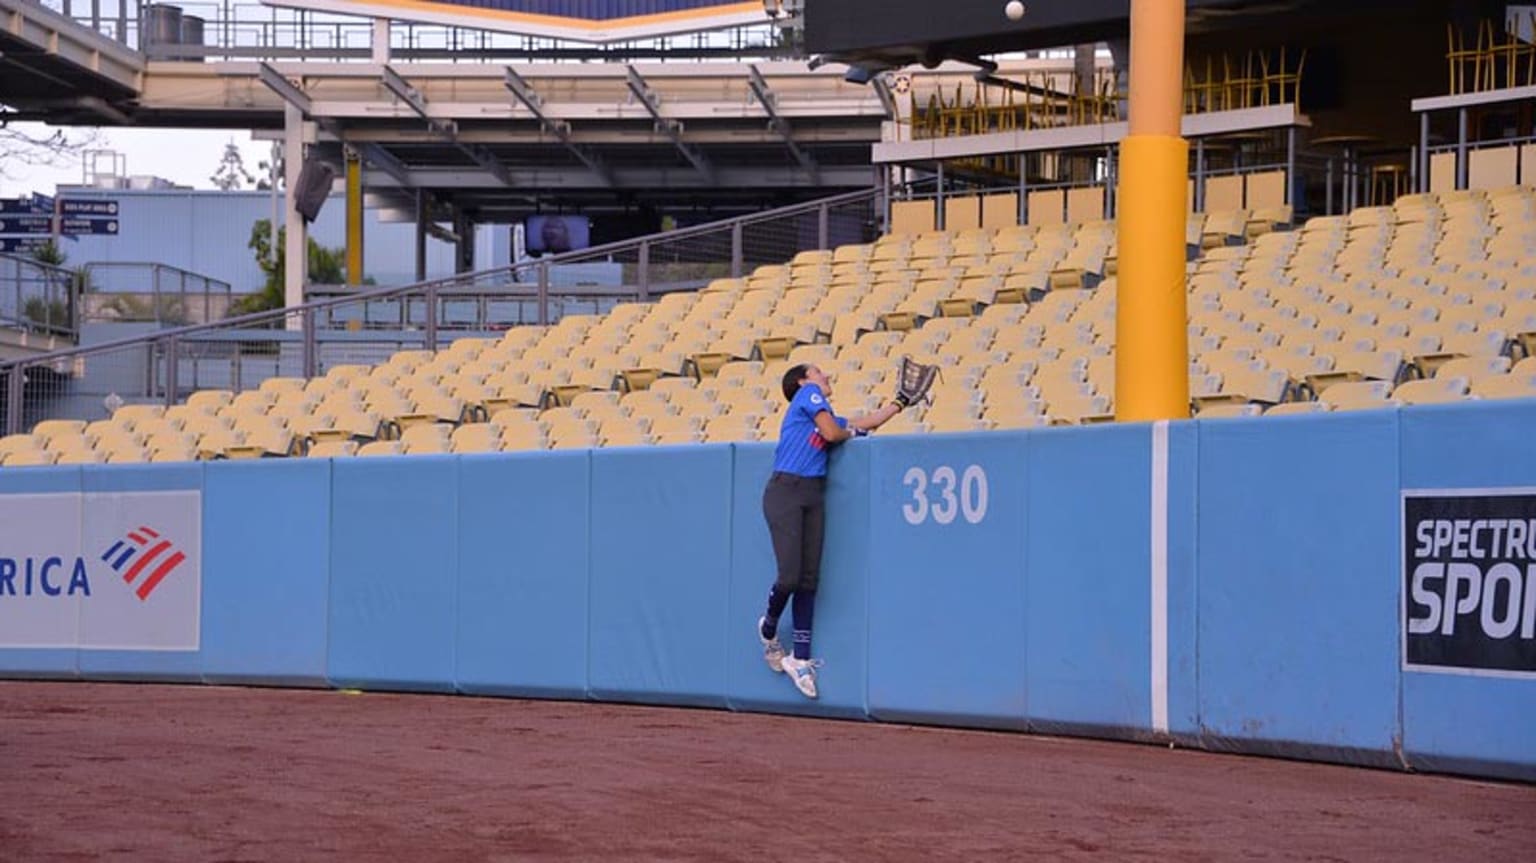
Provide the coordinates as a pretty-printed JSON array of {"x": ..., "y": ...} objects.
[
  {"x": 660, "y": 574},
  {"x": 947, "y": 600},
  {"x": 144, "y": 664},
  {"x": 839, "y": 633},
  {"x": 1284, "y": 581},
  {"x": 1088, "y": 648},
  {"x": 1183, "y": 646},
  {"x": 523, "y": 552},
  {"x": 394, "y": 561},
  {"x": 1453, "y": 722},
  {"x": 266, "y": 567},
  {"x": 1298, "y": 570},
  {"x": 49, "y": 662}
]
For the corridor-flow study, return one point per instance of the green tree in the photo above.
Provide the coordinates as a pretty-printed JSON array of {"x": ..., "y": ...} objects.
[
  {"x": 63, "y": 289},
  {"x": 326, "y": 267}
]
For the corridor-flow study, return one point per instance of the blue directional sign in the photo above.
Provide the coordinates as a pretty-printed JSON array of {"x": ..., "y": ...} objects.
[
  {"x": 43, "y": 202},
  {"x": 26, "y": 225},
  {"x": 91, "y": 207},
  {"x": 22, "y": 244},
  {"x": 19, "y": 206},
  {"x": 87, "y": 226}
]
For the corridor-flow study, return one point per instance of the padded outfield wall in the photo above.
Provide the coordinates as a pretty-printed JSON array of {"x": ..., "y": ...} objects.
[{"x": 1349, "y": 587}]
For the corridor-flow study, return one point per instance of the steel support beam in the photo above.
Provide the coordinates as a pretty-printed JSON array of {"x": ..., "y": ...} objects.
[
  {"x": 445, "y": 129},
  {"x": 285, "y": 89},
  {"x": 560, "y": 129},
  {"x": 667, "y": 126},
  {"x": 765, "y": 96}
]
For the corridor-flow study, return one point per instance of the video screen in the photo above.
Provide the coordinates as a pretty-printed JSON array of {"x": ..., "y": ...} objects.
[{"x": 556, "y": 234}]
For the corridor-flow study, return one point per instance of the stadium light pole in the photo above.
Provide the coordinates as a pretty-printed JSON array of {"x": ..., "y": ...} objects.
[{"x": 1151, "y": 336}]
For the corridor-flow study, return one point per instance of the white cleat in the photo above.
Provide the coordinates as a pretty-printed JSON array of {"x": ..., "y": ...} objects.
[
  {"x": 803, "y": 673},
  {"x": 773, "y": 651}
]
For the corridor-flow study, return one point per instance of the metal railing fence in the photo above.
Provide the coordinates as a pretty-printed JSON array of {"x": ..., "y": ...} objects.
[
  {"x": 131, "y": 291},
  {"x": 162, "y": 367},
  {"x": 37, "y": 297},
  {"x": 230, "y": 30}
]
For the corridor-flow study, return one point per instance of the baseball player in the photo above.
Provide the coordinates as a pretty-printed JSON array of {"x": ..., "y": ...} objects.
[{"x": 793, "y": 503}]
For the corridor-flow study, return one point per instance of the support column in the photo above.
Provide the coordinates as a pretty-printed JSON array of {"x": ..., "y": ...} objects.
[
  {"x": 1290, "y": 170},
  {"x": 1423, "y": 185},
  {"x": 938, "y": 217},
  {"x": 381, "y": 41},
  {"x": 354, "y": 217},
  {"x": 1461, "y": 148},
  {"x": 1152, "y": 341},
  {"x": 421, "y": 235},
  {"x": 295, "y": 252}
]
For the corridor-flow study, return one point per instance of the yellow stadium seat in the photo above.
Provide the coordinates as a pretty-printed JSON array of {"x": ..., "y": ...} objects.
[
  {"x": 1357, "y": 395},
  {"x": 130, "y": 414},
  {"x": 27, "y": 442},
  {"x": 475, "y": 437},
  {"x": 332, "y": 449},
  {"x": 426, "y": 438},
  {"x": 1474, "y": 368},
  {"x": 1228, "y": 411},
  {"x": 1515, "y": 385},
  {"x": 51, "y": 428},
  {"x": 381, "y": 448},
  {"x": 29, "y": 458},
  {"x": 1298, "y": 408},
  {"x": 1440, "y": 388}
]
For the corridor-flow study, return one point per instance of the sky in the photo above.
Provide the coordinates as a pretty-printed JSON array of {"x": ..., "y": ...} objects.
[{"x": 185, "y": 157}]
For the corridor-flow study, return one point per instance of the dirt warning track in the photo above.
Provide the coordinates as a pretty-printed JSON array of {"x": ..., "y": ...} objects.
[{"x": 148, "y": 772}]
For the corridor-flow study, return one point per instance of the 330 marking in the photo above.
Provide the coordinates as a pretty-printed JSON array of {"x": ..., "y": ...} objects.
[{"x": 942, "y": 494}]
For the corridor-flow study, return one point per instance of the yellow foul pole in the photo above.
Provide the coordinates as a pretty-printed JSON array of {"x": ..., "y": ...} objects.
[
  {"x": 354, "y": 168},
  {"x": 1152, "y": 342}
]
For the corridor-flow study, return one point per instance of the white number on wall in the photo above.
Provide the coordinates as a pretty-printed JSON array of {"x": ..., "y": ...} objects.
[
  {"x": 973, "y": 494},
  {"x": 945, "y": 510},
  {"x": 965, "y": 495},
  {"x": 916, "y": 511}
]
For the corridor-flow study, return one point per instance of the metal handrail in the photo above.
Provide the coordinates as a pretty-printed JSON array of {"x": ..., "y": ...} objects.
[
  {"x": 579, "y": 256},
  {"x": 249, "y": 30},
  {"x": 51, "y": 277}
]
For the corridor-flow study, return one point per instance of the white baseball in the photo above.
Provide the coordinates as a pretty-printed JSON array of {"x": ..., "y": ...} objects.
[{"x": 1014, "y": 10}]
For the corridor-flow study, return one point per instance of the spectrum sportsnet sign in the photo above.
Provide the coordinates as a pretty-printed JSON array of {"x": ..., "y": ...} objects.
[
  {"x": 1469, "y": 581},
  {"x": 101, "y": 571}
]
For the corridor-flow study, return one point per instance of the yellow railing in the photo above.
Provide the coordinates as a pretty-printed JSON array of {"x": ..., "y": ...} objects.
[
  {"x": 1259, "y": 79},
  {"x": 1488, "y": 63},
  {"x": 1038, "y": 101},
  {"x": 1053, "y": 100}
]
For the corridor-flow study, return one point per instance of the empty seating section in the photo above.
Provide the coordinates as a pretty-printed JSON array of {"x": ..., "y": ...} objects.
[{"x": 1431, "y": 299}]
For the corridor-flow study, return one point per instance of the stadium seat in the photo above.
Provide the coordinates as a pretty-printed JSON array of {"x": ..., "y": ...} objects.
[
  {"x": 1441, "y": 388},
  {"x": 332, "y": 449},
  {"x": 1357, "y": 395}
]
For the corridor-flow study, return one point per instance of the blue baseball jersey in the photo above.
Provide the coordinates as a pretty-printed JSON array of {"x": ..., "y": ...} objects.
[{"x": 802, "y": 450}]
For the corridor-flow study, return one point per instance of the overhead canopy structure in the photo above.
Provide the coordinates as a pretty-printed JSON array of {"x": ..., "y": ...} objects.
[{"x": 1355, "y": 79}]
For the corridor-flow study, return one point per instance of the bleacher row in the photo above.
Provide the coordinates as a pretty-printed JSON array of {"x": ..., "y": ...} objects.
[{"x": 1431, "y": 299}]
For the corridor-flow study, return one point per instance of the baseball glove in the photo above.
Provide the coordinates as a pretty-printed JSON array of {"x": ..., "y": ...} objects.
[{"x": 914, "y": 382}]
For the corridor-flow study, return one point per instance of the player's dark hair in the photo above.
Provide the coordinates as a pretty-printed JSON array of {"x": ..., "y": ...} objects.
[{"x": 793, "y": 379}]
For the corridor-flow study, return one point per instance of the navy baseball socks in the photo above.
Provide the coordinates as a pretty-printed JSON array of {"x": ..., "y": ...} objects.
[
  {"x": 768, "y": 630},
  {"x": 768, "y": 626},
  {"x": 800, "y": 667},
  {"x": 803, "y": 613}
]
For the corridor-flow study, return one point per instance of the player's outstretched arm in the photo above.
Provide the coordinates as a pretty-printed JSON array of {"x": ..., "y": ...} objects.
[{"x": 870, "y": 422}]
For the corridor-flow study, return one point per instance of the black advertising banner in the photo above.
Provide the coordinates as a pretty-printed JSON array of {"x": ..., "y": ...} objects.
[{"x": 1469, "y": 581}]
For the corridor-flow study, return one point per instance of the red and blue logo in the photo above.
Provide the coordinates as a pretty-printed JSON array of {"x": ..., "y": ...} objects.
[{"x": 140, "y": 551}]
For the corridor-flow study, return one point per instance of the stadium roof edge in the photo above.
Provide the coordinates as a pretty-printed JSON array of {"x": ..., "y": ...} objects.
[{"x": 600, "y": 32}]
